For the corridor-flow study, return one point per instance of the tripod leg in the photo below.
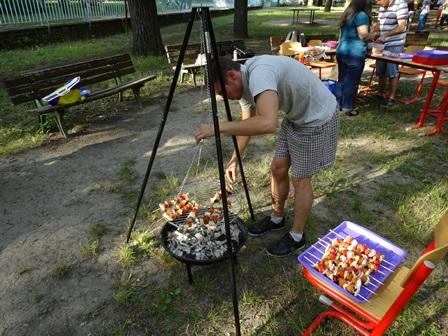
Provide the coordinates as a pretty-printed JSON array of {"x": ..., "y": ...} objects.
[{"x": 163, "y": 121}]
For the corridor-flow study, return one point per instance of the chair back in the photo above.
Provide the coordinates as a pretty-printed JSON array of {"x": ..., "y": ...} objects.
[
  {"x": 286, "y": 46},
  {"x": 315, "y": 43},
  {"x": 275, "y": 42},
  {"x": 436, "y": 250}
]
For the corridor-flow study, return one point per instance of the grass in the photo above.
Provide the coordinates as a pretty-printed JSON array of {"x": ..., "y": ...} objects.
[
  {"x": 61, "y": 270},
  {"x": 385, "y": 178},
  {"x": 97, "y": 230},
  {"x": 91, "y": 249}
]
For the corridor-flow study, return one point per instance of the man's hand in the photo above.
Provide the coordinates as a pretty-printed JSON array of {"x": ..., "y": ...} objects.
[
  {"x": 204, "y": 131},
  {"x": 381, "y": 39},
  {"x": 231, "y": 170}
]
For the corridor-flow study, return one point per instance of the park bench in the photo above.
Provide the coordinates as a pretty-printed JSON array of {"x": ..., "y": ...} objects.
[
  {"x": 276, "y": 41},
  {"x": 418, "y": 38},
  {"x": 191, "y": 54},
  {"x": 32, "y": 86}
]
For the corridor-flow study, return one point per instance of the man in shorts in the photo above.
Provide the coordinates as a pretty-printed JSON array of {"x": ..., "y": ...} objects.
[
  {"x": 306, "y": 142},
  {"x": 392, "y": 18}
]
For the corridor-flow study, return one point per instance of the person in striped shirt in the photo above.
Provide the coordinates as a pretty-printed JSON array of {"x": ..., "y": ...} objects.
[{"x": 392, "y": 32}]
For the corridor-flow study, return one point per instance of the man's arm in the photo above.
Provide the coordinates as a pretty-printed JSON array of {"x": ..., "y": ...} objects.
[
  {"x": 262, "y": 123},
  {"x": 397, "y": 30},
  {"x": 252, "y": 123}
]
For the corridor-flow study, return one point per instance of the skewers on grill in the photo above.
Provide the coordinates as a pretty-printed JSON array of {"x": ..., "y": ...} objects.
[{"x": 178, "y": 206}]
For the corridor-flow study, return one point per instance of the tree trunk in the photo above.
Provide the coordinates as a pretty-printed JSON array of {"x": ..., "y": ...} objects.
[
  {"x": 240, "y": 19},
  {"x": 328, "y": 4},
  {"x": 146, "y": 38}
]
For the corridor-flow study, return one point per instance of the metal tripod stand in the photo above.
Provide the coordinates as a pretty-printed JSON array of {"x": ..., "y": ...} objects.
[{"x": 212, "y": 56}]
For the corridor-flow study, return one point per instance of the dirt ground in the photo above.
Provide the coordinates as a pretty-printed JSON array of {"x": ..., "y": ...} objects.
[{"x": 50, "y": 197}]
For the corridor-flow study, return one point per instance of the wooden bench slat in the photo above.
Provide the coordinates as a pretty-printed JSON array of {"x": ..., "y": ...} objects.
[
  {"x": 63, "y": 70},
  {"x": 57, "y": 77}
]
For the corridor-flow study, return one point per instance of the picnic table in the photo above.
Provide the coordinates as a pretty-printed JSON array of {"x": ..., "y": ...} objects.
[
  {"x": 436, "y": 70},
  {"x": 297, "y": 10}
]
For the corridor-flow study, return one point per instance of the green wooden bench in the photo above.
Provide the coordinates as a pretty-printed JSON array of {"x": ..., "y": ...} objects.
[{"x": 32, "y": 86}]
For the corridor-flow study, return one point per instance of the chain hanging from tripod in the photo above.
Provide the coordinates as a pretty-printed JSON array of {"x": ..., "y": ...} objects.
[
  {"x": 199, "y": 187},
  {"x": 205, "y": 82}
]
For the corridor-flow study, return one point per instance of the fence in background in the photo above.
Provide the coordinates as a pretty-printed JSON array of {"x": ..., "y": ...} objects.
[{"x": 44, "y": 12}]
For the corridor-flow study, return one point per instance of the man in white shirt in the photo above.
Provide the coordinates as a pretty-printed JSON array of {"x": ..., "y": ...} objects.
[
  {"x": 306, "y": 142},
  {"x": 392, "y": 18}
]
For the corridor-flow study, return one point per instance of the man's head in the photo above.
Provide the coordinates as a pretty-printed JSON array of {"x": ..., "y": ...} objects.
[
  {"x": 384, "y": 3},
  {"x": 231, "y": 72}
]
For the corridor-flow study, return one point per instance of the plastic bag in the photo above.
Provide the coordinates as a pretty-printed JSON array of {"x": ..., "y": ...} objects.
[{"x": 67, "y": 94}]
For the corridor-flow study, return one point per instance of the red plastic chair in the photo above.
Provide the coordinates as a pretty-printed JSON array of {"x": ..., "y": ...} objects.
[
  {"x": 392, "y": 296},
  {"x": 440, "y": 112},
  {"x": 367, "y": 89},
  {"x": 408, "y": 71}
]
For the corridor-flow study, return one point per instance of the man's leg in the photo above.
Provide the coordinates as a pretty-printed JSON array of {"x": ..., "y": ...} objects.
[
  {"x": 303, "y": 202},
  {"x": 442, "y": 19},
  {"x": 279, "y": 184},
  {"x": 393, "y": 83},
  {"x": 382, "y": 83},
  {"x": 279, "y": 193}
]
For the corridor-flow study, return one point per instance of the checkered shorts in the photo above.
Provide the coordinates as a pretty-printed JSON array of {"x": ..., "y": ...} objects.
[{"x": 310, "y": 148}]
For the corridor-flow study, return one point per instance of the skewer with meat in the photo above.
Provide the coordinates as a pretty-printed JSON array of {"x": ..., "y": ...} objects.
[
  {"x": 218, "y": 195},
  {"x": 177, "y": 206}
]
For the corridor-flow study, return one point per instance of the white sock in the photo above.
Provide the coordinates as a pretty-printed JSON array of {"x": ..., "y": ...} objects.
[
  {"x": 276, "y": 220},
  {"x": 296, "y": 236}
]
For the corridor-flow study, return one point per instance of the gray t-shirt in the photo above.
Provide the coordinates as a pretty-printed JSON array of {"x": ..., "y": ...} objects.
[{"x": 306, "y": 101}]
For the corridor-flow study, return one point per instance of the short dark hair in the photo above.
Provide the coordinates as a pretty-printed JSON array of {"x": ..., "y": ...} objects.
[{"x": 226, "y": 64}]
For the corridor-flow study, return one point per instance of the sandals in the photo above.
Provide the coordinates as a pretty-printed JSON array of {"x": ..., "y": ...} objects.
[{"x": 352, "y": 113}]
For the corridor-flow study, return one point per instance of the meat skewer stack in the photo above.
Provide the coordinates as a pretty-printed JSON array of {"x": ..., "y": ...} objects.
[{"x": 349, "y": 264}]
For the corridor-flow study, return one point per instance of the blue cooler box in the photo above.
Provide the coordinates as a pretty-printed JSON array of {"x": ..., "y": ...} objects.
[{"x": 330, "y": 84}]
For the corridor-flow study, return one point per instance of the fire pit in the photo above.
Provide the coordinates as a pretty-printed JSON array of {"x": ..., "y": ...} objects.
[{"x": 202, "y": 244}]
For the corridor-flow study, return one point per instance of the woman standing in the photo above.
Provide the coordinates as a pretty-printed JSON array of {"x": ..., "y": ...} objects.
[{"x": 351, "y": 52}]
